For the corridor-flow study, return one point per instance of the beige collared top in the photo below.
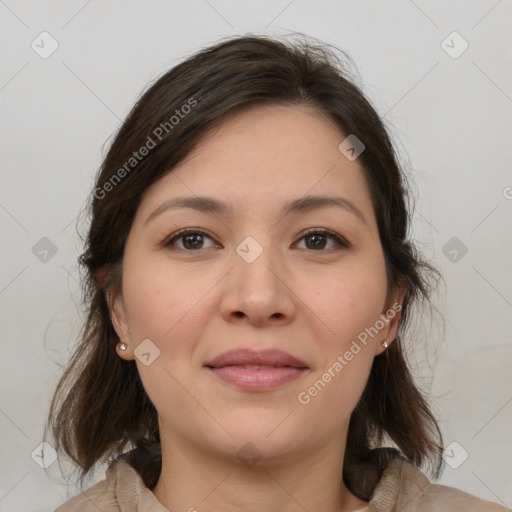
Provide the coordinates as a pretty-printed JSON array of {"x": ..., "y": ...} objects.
[{"x": 402, "y": 488}]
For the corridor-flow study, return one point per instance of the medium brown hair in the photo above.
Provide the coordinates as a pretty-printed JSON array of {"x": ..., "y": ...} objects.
[{"x": 100, "y": 408}]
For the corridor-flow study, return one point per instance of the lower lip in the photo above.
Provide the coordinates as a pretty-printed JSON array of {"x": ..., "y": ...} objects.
[{"x": 257, "y": 380}]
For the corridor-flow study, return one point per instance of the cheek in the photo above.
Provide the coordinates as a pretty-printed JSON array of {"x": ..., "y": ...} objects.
[
  {"x": 347, "y": 301},
  {"x": 162, "y": 306},
  {"x": 334, "y": 390},
  {"x": 335, "y": 393},
  {"x": 158, "y": 298}
]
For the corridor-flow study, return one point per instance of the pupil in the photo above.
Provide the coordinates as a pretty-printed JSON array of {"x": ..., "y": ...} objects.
[
  {"x": 317, "y": 240},
  {"x": 195, "y": 237},
  {"x": 317, "y": 237}
]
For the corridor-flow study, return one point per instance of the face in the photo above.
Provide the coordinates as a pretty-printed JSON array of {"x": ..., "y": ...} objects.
[{"x": 309, "y": 281}]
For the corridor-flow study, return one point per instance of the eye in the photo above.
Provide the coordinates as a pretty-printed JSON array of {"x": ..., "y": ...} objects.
[
  {"x": 193, "y": 239},
  {"x": 318, "y": 239}
]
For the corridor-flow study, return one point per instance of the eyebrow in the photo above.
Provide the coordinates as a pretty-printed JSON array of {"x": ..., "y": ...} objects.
[{"x": 215, "y": 207}]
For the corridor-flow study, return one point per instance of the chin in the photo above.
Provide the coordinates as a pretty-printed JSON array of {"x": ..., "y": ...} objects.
[{"x": 265, "y": 434}]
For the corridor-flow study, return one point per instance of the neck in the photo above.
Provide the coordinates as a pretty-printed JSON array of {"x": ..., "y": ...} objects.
[{"x": 193, "y": 480}]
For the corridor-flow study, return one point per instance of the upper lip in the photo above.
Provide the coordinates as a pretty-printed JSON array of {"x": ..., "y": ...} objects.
[{"x": 246, "y": 356}]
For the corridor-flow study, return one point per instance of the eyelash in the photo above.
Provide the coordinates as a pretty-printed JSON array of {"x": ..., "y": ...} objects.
[{"x": 340, "y": 241}]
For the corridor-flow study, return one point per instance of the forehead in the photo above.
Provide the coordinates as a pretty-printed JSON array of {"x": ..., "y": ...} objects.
[{"x": 265, "y": 156}]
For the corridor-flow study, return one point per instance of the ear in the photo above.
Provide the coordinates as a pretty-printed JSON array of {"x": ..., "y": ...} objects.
[
  {"x": 391, "y": 317},
  {"x": 120, "y": 324}
]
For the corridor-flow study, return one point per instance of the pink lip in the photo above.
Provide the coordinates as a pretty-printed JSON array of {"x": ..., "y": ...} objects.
[
  {"x": 269, "y": 357},
  {"x": 229, "y": 367}
]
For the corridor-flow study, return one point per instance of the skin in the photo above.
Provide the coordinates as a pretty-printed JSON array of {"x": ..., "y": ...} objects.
[{"x": 200, "y": 299}]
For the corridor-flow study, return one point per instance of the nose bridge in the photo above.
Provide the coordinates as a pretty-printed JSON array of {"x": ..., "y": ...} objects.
[
  {"x": 257, "y": 263},
  {"x": 256, "y": 284}
]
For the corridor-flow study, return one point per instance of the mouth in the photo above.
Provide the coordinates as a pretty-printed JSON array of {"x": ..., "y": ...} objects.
[{"x": 251, "y": 370}]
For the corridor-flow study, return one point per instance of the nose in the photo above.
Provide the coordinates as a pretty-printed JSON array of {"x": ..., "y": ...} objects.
[{"x": 258, "y": 291}]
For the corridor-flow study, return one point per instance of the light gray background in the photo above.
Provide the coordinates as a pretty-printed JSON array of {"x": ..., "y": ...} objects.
[{"x": 452, "y": 117}]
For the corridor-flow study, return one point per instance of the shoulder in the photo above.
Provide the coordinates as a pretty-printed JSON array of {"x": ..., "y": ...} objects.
[
  {"x": 440, "y": 497},
  {"x": 409, "y": 490},
  {"x": 122, "y": 484}
]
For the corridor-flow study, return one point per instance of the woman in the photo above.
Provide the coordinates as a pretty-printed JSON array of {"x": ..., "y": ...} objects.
[{"x": 249, "y": 280}]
